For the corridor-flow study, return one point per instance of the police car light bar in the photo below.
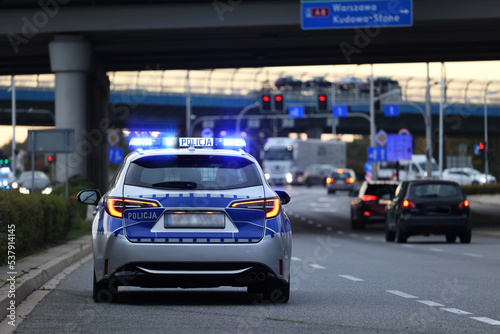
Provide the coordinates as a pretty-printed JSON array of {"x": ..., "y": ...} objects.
[{"x": 170, "y": 142}]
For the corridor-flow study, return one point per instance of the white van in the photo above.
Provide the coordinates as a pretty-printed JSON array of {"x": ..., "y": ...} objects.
[
  {"x": 416, "y": 168},
  {"x": 408, "y": 170}
]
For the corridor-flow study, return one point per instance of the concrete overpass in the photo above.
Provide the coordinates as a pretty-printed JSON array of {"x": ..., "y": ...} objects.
[{"x": 80, "y": 40}]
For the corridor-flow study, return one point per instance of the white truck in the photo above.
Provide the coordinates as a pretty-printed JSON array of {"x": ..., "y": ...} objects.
[{"x": 284, "y": 160}]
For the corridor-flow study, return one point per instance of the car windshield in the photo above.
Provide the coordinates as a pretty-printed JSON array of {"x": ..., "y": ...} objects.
[
  {"x": 381, "y": 190},
  {"x": 473, "y": 171},
  {"x": 341, "y": 176},
  {"x": 434, "y": 190},
  {"x": 189, "y": 172},
  {"x": 435, "y": 166},
  {"x": 282, "y": 154}
]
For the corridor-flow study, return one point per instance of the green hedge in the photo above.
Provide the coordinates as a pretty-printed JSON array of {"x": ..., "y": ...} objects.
[
  {"x": 481, "y": 190},
  {"x": 39, "y": 221}
]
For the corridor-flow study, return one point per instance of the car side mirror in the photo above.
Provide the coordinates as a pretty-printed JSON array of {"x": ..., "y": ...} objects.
[
  {"x": 284, "y": 197},
  {"x": 89, "y": 196}
]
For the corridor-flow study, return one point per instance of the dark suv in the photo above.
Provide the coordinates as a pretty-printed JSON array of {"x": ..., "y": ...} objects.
[
  {"x": 369, "y": 205},
  {"x": 424, "y": 207}
]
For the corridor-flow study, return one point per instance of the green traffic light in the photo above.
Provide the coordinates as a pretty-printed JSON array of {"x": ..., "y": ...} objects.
[{"x": 6, "y": 161}]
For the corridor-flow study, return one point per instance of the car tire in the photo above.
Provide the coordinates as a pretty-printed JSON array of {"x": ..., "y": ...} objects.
[
  {"x": 255, "y": 288},
  {"x": 361, "y": 225},
  {"x": 105, "y": 291},
  {"x": 354, "y": 223},
  {"x": 451, "y": 238},
  {"x": 401, "y": 237},
  {"x": 390, "y": 236},
  {"x": 465, "y": 237},
  {"x": 277, "y": 291},
  {"x": 331, "y": 192},
  {"x": 475, "y": 183}
]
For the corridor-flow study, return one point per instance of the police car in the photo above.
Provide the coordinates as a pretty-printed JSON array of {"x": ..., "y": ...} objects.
[{"x": 195, "y": 213}]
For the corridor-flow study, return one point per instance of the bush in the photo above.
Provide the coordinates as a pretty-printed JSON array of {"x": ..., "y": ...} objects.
[
  {"x": 39, "y": 221},
  {"x": 481, "y": 190}
]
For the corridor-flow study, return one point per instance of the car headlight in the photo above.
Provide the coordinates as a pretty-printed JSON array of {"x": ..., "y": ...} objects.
[
  {"x": 482, "y": 180},
  {"x": 267, "y": 176},
  {"x": 47, "y": 190},
  {"x": 24, "y": 190},
  {"x": 5, "y": 183},
  {"x": 15, "y": 185},
  {"x": 289, "y": 177}
]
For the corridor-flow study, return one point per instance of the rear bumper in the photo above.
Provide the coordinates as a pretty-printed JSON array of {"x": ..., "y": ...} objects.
[
  {"x": 193, "y": 265},
  {"x": 435, "y": 224}
]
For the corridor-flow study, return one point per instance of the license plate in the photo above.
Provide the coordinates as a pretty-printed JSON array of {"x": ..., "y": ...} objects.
[{"x": 195, "y": 220}]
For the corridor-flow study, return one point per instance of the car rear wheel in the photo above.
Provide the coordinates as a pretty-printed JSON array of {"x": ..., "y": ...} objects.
[
  {"x": 465, "y": 237},
  {"x": 354, "y": 223},
  {"x": 277, "y": 292},
  {"x": 390, "y": 236},
  {"x": 105, "y": 291},
  {"x": 451, "y": 238},
  {"x": 401, "y": 237}
]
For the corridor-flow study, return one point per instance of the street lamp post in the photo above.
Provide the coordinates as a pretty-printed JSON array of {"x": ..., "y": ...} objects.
[{"x": 486, "y": 93}]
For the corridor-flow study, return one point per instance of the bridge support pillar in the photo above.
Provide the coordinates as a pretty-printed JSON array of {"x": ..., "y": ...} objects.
[
  {"x": 314, "y": 132},
  {"x": 81, "y": 95}
]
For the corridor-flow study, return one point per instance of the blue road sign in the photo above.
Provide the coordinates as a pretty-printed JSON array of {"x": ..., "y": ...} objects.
[
  {"x": 377, "y": 154},
  {"x": 296, "y": 111},
  {"x": 391, "y": 110},
  {"x": 344, "y": 14},
  {"x": 115, "y": 155},
  {"x": 368, "y": 167},
  {"x": 340, "y": 111},
  {"x": 477, "y": 151},
  {"x": 207, "y": 133},
  {"x": 399, "y": 147}
]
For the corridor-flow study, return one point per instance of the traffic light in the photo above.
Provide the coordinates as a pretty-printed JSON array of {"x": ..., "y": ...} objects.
[
  {"x": 4, "y": 161},
  {"x": 278, "y": 102},
  {"x": 481, "y": 149},
  {"x": 265, "y": 102},
  {"x": 322, "y": 102},
  {"x": 50, "y": 159}
]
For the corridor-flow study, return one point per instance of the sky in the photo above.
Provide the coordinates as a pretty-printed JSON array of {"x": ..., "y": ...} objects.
[{"x": 479, "y": 71}]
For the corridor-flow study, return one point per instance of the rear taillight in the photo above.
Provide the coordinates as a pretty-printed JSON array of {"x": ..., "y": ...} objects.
[
  {"x": 463, "y": 204},
  {"x": 329, "y": 180},
  {"x": 366, "y": 198},
  {"x": 116, "y": 206},
  {"x": 350, "y": 180},
  {"x": 270, "y": 206},
  {"x": 408, "y": 205}
]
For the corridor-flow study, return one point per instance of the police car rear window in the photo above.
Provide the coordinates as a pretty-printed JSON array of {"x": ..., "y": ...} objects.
[{"x": 192, "y": 172}]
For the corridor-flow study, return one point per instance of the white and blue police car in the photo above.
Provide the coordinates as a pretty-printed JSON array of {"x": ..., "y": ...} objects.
[{"x": 192, "y": 214}]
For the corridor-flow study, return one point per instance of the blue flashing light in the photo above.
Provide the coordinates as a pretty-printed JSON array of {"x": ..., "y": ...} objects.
[
  {"x": 171, "y": 142},
  {"x": 5, "y": 170},
  {"x": 230, "y": 142}
]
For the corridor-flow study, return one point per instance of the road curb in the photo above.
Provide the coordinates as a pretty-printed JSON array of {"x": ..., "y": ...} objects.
[{"x": 38, "y": 276}]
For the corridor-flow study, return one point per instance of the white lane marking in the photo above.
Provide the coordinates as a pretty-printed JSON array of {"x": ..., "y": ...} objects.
[
  {"x": 323, "y": 205},
  {"x": 329, "y": 228},
  {"x": 303, "y": 218},
  {"x": 296, "y": 216},
  {"x": 436, "y": 249},
  {"x": 401, "y": 294},
  {"x": 324, "y": 210},
  {"x": 310, "y": 222},
  {"x": 429, "y": 303},
  {"x": 340, "y": 232},
  {"x": 325, "y": 199},
  {"x": 352, "y": 278},
  {"x": 368, "y": 238},
  {"x": 487, "y": 320},
  {"x": 316, "y": 266},
  {"x": 319, "y": 225},
  {"x": 295, "y": 258},
  {"x": 454, "y": 310},
  {"x": 408, "y": 246},
  {"x": 473, "y": 255},
  {"x": 354, "y": 235}
]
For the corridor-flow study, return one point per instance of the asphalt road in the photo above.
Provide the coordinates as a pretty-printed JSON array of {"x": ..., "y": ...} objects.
[{"x": 342, "y": 282}]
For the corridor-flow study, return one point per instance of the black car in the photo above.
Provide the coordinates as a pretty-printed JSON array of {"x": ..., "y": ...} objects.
[
  {"x": 288, "y": 82},
  {"x": 424, "y": 207},
  {"x": 368, "y": 207},
  {"x": 317, "y": 174},
  {"x": 317, "y": 82}
]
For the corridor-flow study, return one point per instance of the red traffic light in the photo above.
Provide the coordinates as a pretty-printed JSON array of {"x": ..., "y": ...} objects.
[
  {"x": 481, "y": 146},
  {"x": 278, "y": 98},
  {"x": 266, "y": 98},
  {"x": 50, "y": 158},
  {"x": 322, "y": 98}
]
